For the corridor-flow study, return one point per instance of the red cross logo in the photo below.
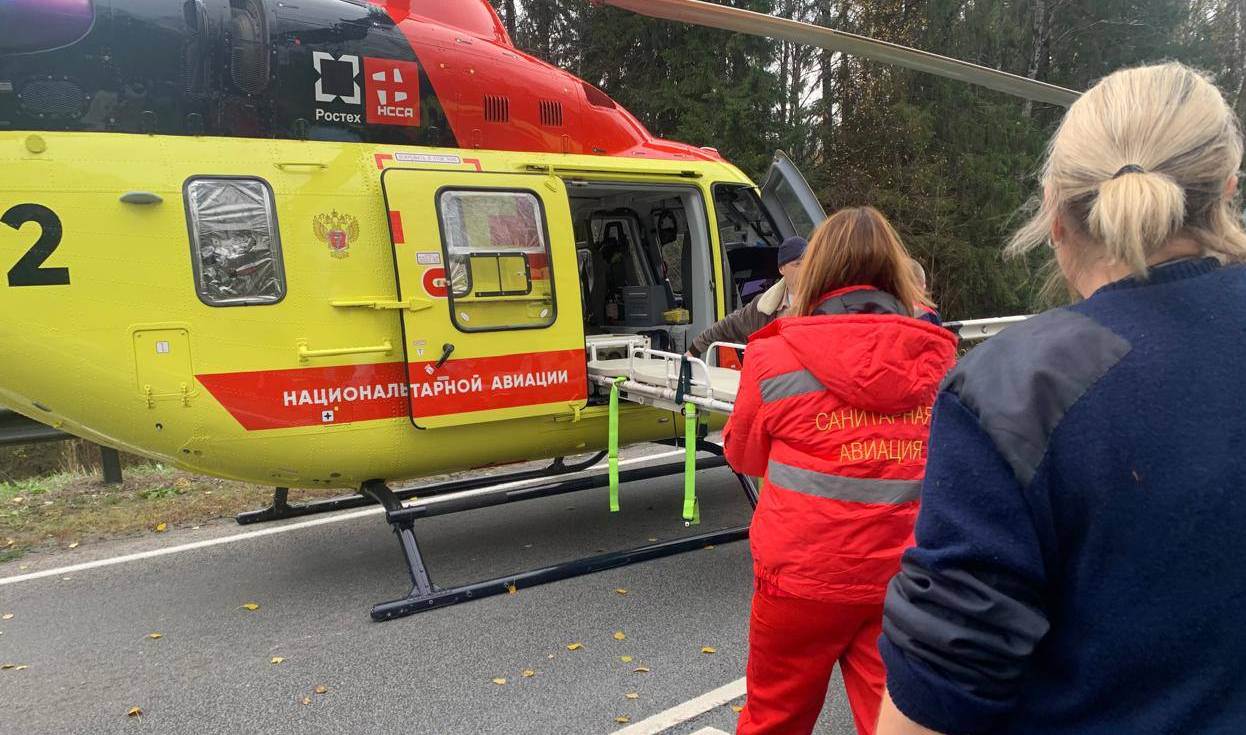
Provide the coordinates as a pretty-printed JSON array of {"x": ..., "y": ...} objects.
[{"x": 393, "y": 91}]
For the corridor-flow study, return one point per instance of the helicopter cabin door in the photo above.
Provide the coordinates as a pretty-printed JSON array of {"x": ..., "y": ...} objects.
[
  {"x": 487, "y": 277},
  {"x": 789, "y": 199}
]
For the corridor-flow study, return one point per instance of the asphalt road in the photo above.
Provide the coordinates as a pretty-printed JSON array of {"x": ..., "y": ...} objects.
[{"x": 84, "y": 635}]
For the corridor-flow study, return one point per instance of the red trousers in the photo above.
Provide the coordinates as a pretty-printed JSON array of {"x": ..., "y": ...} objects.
[{"x": 793, "y": 647}]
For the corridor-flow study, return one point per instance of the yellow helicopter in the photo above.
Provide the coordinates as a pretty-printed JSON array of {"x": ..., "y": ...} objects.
[{"x": 336, "y": 242}]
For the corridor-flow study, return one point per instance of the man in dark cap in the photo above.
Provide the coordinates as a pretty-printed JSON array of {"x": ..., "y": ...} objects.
[{"x": 770, "y": 305}]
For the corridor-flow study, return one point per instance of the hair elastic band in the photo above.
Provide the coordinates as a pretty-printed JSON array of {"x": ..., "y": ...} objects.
[{"x": 1129, "y": 169}]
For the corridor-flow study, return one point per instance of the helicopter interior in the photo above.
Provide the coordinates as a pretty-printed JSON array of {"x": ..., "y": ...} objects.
[
  {"x": 644, "y": 261},
  {"x": 644, "y": 257}
]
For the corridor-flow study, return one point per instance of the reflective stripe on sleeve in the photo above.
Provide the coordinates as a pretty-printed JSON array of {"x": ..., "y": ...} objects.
[
  {"x": 838, "y": 487},
  {"x": 786, "y": 385}
]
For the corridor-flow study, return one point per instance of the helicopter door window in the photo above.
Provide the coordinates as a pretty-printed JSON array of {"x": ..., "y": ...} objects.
[
  {"x": 497, "y": 249},
  {"x": 235, "y": 244},
  {"x": 789, "y": 198}
]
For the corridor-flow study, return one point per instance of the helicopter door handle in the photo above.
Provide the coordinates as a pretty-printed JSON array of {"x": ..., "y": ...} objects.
[
  {"x": 446, "y": 349},
  {"x": 315, "y": 165},
  {"x": 306, "y": 353}
]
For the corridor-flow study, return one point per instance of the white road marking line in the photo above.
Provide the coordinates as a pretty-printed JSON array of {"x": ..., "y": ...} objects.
[
  {"x": 681, "y": 713},
  {"x": 710, "y": 731},
  {"x": 334, "y": 518}
]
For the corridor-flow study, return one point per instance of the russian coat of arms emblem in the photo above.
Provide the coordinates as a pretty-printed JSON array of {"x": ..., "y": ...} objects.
[{"x": 337, "y": 231}]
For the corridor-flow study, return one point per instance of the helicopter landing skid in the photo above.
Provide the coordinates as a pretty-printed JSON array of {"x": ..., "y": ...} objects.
[
  {"x": 426, "y": 596},
  {"x": 282, "y": 509}
]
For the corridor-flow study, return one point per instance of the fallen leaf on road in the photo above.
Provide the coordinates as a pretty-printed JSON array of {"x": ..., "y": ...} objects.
[
  {"x": 6, "y": 667},
  {"x": 709, "y": 546},
  {"x": 620, "y": 635},
  {"x": 574, "y": 646},
  {"x": 20, "y": 667},
  {"x": 250, "y": 606},
  {"x": 6, "y": 616},
  {"x": 321, "y": 689},
  {"x": 632, "y": 695},
  {"x": 641, "y": 669},
  {"x": 306, "y": 700},
  {"x": 511, "y": 589},
  {"x": 277, "y": 659},
  {"x": 737, "y": 708},
  {"x": 74, "y": 545},
  {"x": 709, "y": 649},
  {"x": 500, "y": 681},
  {"x": 622, "y": 719},
  {"x": 155, "y": 636},
  {"x": 620, "y": 591},
  {"x": 625, "y": 659},
  {"x": 653, "y": 539},
  {"x": 162, "y": 527},
  {"x": 8, "y": 542},
  {"x": 528, "y": 673},
  {"x": 135, "y": 712}
]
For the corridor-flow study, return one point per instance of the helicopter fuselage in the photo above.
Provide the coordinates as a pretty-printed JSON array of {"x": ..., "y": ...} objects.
[{"x": 320, "y": 245}]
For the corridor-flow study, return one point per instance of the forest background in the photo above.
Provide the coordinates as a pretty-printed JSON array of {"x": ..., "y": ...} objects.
[{"x": 952, "y": 165}]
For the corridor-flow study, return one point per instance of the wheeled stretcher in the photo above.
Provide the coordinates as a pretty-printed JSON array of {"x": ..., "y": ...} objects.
[
  {"x": 662, "y": 379},
  {"x": 631, "y": 370}
]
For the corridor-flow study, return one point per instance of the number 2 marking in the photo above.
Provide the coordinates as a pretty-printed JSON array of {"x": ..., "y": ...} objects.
[{"x": 29, "y": 270}]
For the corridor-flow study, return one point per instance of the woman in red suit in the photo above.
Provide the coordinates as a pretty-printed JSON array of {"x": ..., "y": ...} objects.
[{"x": 834, "y": 410}]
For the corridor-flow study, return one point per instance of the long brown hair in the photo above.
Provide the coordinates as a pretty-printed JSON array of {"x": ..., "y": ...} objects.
[{"x": 856, "y": 246}]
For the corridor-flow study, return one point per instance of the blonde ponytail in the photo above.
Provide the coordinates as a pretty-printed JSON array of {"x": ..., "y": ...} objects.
[
  {"x": 1143, "y": 157},
  {"x": 1134, "y": 214}
]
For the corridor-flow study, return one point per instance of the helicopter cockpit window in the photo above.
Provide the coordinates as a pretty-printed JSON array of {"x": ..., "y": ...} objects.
[
  {"x": 497, "y": 256},
  {"x": 748, "y": 236},
  {"x": 235, "y": 244}
]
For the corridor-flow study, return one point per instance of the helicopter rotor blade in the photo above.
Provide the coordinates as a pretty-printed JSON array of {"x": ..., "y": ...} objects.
[{"x": 707, "y": 14}]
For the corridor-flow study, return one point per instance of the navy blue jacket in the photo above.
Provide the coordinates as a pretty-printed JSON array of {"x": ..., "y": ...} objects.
[{"x": 1081, "y": 549}]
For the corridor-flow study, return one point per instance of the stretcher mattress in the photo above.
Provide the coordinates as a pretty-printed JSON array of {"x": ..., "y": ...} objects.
[{"x": 655, "y": 371}]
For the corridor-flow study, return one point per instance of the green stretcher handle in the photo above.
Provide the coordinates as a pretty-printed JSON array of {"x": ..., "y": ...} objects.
[
  {"x": 613, "y": 446},
  {"x": 692, "y": 509}
]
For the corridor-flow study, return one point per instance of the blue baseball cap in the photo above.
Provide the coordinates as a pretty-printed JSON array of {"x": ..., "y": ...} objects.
[{"x": 792, "y": 248}]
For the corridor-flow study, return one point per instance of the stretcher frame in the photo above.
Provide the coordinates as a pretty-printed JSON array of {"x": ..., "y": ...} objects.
[{"x": 684, "y": 379}]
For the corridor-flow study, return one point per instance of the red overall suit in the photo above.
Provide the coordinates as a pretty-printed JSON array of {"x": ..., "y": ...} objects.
[{"x": 834, "y": 410}]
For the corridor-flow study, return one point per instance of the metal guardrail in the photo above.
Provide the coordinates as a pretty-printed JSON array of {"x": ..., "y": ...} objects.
[
  {"x": 16, "y": 429},
  {"x": 972, "y": 329}
]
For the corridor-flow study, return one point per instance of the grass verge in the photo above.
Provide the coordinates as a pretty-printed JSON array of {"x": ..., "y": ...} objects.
[{"x": 76, "y": 508}]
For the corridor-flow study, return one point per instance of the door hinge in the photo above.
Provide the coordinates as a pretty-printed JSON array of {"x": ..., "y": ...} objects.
[{"x": 412, "y": 304}]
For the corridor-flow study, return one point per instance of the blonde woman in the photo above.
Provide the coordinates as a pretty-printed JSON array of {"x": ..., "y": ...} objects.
[
  {"x": 834, "y": 409},
  {"x": 1082, "y": 538}
]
